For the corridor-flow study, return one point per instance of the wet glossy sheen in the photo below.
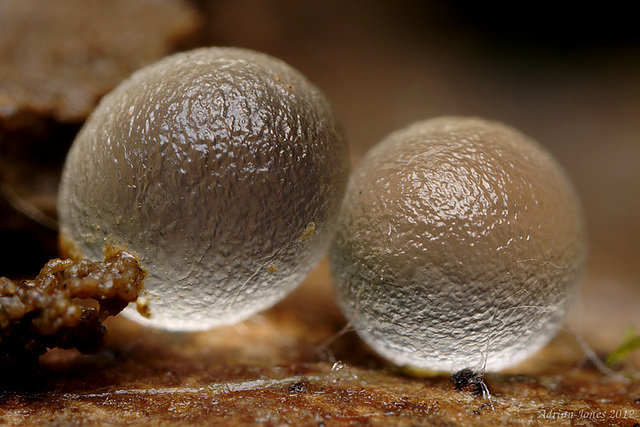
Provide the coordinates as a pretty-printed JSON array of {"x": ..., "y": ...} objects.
[
  {"x": 221, "y": 169},
  {"x": 460, "y": 242}
]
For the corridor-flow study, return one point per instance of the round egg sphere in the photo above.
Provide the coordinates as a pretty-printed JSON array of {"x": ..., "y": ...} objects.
[
  {"x": 460, "y": 244},
  {"x": 221, "y": 169}
]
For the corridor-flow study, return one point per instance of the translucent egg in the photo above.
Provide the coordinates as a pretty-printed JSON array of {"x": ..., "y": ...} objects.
[
  {"x": 221, "y": 169},
  {"x": 460, "y": 244}
]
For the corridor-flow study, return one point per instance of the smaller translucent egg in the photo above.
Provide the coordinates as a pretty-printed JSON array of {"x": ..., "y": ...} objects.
[{"x": 460, "y": 244}]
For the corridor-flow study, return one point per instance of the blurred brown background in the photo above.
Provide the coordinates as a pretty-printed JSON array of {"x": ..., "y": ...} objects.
[{"x": 571, "y": 80}]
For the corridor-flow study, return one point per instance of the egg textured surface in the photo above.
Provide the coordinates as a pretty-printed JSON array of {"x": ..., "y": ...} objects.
[
  {"x": 460, "y": 244},
  {"x": 221, "y": 169}
]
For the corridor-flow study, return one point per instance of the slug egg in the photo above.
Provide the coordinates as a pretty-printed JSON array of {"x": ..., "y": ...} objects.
[
  {"x": 221, "y": 169},
  {"x": 460, "y": 244}
]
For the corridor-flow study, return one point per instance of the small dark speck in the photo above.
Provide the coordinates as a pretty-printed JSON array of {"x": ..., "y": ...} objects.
[
  {"x": 299, "y": 387},
  {"x": 637, "y": 401},
  {"x": 636, "y": 425},
  {"x": 466, "y": 378},
  {"x": 477, "y": 413}
]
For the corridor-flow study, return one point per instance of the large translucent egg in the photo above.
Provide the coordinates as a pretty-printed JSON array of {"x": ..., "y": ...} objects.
[
  {"x": 460, "y": 244},
  {"x": 221, "y": 169}
]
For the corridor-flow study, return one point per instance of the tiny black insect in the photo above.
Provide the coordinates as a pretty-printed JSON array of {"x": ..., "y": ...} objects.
[{"x": 466, "y": 379}]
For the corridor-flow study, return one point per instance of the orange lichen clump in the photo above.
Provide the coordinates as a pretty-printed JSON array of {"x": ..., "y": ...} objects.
[{"x": 46, "y": 312}]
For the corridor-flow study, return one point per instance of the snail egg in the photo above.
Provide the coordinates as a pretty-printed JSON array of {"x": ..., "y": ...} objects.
[
  {"x": 460, "y": 244},
  {"x": 221, "y": 169}
]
